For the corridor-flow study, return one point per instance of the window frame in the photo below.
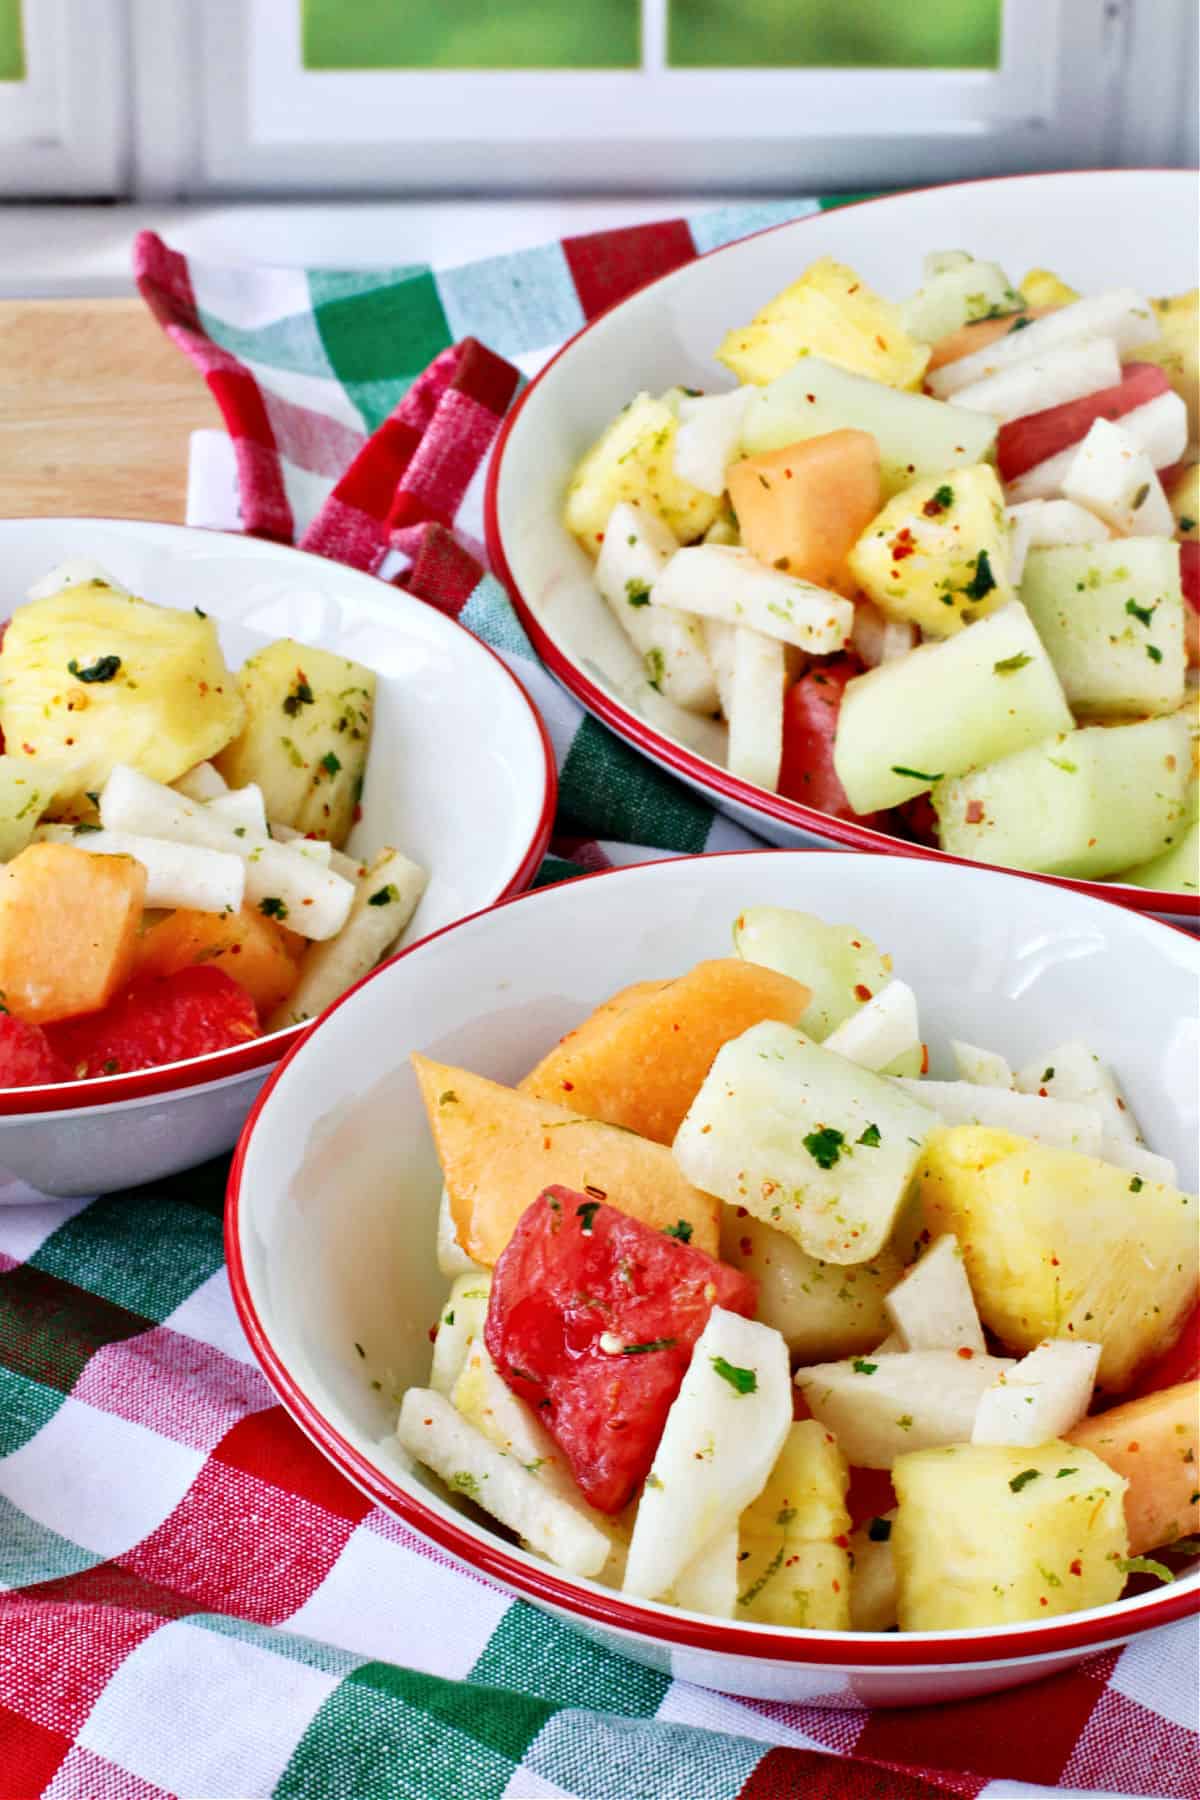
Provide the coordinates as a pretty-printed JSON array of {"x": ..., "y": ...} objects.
[{"x": 64, "y": 129}]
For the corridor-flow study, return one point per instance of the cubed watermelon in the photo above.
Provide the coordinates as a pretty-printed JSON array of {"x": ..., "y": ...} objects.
[
  {"x": 190, "y": 1013},
  {"x": 1033, "y": 439},
  {"x": 26, "y": 1056},
  {"x": 591, "y": 1320}
]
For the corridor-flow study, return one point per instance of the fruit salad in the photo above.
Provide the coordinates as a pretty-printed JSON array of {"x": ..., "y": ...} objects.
[
  {"x": 756, "y": 1315},
  {"x": 174, "y": 880},
  {"x": 936, "y": 565}
]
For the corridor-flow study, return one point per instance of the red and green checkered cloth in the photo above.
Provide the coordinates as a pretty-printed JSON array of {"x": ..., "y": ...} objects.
[{"x": 192, "y": 1602}]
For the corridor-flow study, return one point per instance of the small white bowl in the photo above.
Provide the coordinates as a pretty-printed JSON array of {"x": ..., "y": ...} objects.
[
  {"x": 334, "y": 1189},
  {"x": 665, "y": 335},
  {"x": 460, "y": 776}
]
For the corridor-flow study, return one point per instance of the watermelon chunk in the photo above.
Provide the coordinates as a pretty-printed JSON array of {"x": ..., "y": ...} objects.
[
  {"x": 26, "y": 1056},
  {"x": 1025, "y": 442},
  {"x": 810, "y": 716},
  {"x": 591, "y": 1320},
  {"x": 187, "y": 1014}
]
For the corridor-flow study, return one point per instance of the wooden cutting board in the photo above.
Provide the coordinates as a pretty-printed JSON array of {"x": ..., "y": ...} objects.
[{"x": 96, "y": 406}]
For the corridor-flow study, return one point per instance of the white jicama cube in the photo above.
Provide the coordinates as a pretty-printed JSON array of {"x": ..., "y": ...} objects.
[
  {"x": 933, "y": 1307},
  {"x": 719, "y": 641},
  {"x": 176, "y": 874},
  {"x": 1073, "y": 1071},
  {"x": 1042, "y": 1397},
  {"x": 726, "y": 1426},
  {"x": 720, "y": 582},
  {"x": 948, "y": 707},
  {"x": 804, "y": 1140},
  {"x": 637, "y": 546},
  {"x": 1048, "y": 524},
  {"x": 1160, "y": 428},
  {"x": 1067, "y": 372},
  {"x": 321, "y": 851},
  {"x": 883, "y": 1405},
  {"x": 1124, "y": 316},
  {"x": 886, "y": 1028},
  {"x": 386, "y": 897},
  {"x": 982, "y": 1068},
  {"x": 435, "y": 1434},
  {"x": 873, "y": 1577},
  {"x": 460, "y": 1323},
  {"x": 202, "y": 782},
  {"x": 1138, "y": 1160},
  {"x": 709, "y": 1583},
  {"x": 312, "y": 901},
  {"x": 755, "y": 708},
  {"x": 452, "y": 1259},
  {"x": 1113, "y": 477},
  {"x": 240, "y": 806},
  {"x": 1063, "y": 1124},
  {"x": 879, "y": 639},
  {"x": 709, "y": 436}
]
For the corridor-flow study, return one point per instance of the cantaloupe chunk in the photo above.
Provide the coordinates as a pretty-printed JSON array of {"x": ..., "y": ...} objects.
[
  {"x": 1152, "y": 1442},
  {"x": 246, "y": 945},
  {"x": 978, "y": 335},
  {"x": 802, "y": 508},
  {"x": 499, "y": 1148},
  {"x": 639, "y": 1060},
  {"x": 68, "y": 930}
]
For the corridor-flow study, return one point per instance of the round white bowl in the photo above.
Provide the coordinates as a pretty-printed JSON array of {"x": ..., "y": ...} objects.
[
  {"x": 665, "y": 334},
  {"x": 334, "y": 1189},
  {"x": 460, "y": 776}
]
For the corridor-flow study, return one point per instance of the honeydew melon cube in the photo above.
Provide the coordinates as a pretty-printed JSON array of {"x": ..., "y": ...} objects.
[
  {"x": 937, "y": 555},
  {"x": 956, "y": 293},
  {"x": 948, "y": 707},
  {"x": 841, "y": 967},
  {"x": 933, "y": 1308},
  {"x": 637, "y": 546},
  {"x": 1065, "y": 1126},
  {"x": 883, "y": 1405},
  {"x": 1111, "y": 617},
  {"x": 1075, "y": 1072},
  {"x": 1086, "y": 803},
  {"x": 989, "y": 1534},
  {"x": 804, "y": 1140},
  {"x": 917, "y": 436},
  {"x": 721, "y": 581},
  {"x": 1112, "y": 475},
  {"x": 1175, "y": 870},
  {"x": 1041, "y": 1397},
  {"x": 726, "y": 1426},
  {"x": 822, "y": 1310}
]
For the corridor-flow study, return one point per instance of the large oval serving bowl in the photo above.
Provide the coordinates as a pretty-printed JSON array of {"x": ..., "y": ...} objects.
[
  {"x": 665, "y": 335},
  {"x": 460, "y": 777},
  {"x": 334, "y": 1191}
]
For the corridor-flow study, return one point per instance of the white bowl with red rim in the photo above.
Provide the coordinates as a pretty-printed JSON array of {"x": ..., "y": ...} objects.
[
  {"x": 460, "y": 776},
  {"x": 333, "y": 1195},
  {"x": 665, "y": 334}
]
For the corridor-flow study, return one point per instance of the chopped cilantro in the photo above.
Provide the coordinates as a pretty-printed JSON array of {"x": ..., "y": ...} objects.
[
  {"x": 1144, "y": 1565},
  {"x": 301, "y": 695},
  {"x": 653, "y": 1481},
  {"x": 330, "y": 763},
  {"x": 1019, "y": 323},
  {"x": 681, "y": 1229},
  {"x": 199, "y": 612},
  {"x": 824, "y": 1146},
  {"x": 360, "y": 1350},
  {"x": 862, "y": 1367},
  {"x": 1186, "y": 524},
  {"x": 653, "y": 1344},
  {"x": 756, "y": 1587},
  {"x": 905, "y": 1421},
  {"x": 656, "y": 668},
  {"x": 871, "y": 1137},
  {"x": 1143, "y": 614},
  {"x": 465, "y": 1483},
  {"x": 587, "y": 1212},
  {"x": 1048, "y": 1073},
  {"x": 785, "y": 1515},
  {"x": 983, "y": 581},
  {"x": 273, "y": 907},
  {"x": 636, "y": 592},
  {"x": 384, "y": 896},
  {"x": 1063, "y": 1472},
  {"x": 914, "y": 774},
  {"x": 1023, "y": 1479},
  {"x": 1141, "y": 497},
  {"x": 879, "y": 1530},
  {"x": 742, "y": 1381},
  {"x": 1136, "y": 1184},
  {"x": 448, "y": 1318},
  {"x": 1154, "y": 653},
  {"x": 103, "y": 669},
  {"x": 85, "y": 826},
  {"x": 1009, "y": 665},
  {"x": 449, "y": 1098}
]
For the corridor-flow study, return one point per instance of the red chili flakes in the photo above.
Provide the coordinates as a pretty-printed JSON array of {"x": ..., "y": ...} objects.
[
  {"x": 881, "y": 341},
  {"x": 1076, "y": 1568},
  {"x": 862, "y": 992},
  {"x": 924, "y": 1059},
  {"x": 742, "y": 1213},
  {"x": 705, "y": 1128},
  {"x": 842, "y": 1542},
  {"x": 902, "y": 544},
  {"x": 855, "y": 288},
  {"x": 568, "y": 1087},
  {"x": 932, "y": 507},
  {"x": 745, "y": 1246},
  {"x": 1054, "y": 1263},
  {"x": 1133, "y": 1448},
  {"x": 1042, "y": 1600},
  {"x": 974, "y": 812},
  {"x": 965, "y": 1352},
  {"x": 837, "y": 1587},
  {"x": 433, "y": 1331}
]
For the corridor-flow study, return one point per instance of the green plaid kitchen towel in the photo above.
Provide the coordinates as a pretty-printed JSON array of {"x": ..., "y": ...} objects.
[{"x": 193, "y": 1603}]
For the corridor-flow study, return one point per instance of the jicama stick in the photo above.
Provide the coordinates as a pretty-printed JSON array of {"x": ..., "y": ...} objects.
[
  {"x": 1066, "y": 373},
  {"x": 756, "y": 708},
  {"x": 709, "y": 436},
  {"x": 241, "y": 806},
  {"x": 1060, "y": 1123},
  {"x": 285, "y": 885},
  {"x": 721, "y": 582},
  {"x": 320, "y": 849},
  {"x": 176, "y": 874},
  {"x": 719, "y": 640},
  {"x": 432, "y": 1431},
  {"x": 1160, "y": 428},
  {"x": 386, "y": 897},
  {"x": 879, "y": 639},
  {"x": 637, "y": 546},
  {"x": 883, "y": 1029},
  {"x": 1124, "y": 316},
  {"x": 203, "y": 782}
]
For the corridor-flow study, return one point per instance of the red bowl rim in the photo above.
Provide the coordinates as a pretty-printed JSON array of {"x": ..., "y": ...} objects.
[
  {"x": 260, "y": 1052},
  {"x": 539, "y": 1582},
  {"x": 677, "y": 757}
]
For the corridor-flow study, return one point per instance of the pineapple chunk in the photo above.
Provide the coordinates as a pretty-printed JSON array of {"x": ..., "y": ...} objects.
[
  {"x": 1177, "y": 351},
  {"x": 94, "y": 674},
  {"x": 992, "y": 1534},
  {"x": 308, "y": 726},
  {"x": 1042, "y": 287},
  {"x": 822, "y": 1310},
  {"x": 840, "y": 965},
  {"x": 830, "y": 313},
  {"x": 1184, "y": 498},
  {"x": 634, "y": 460},
  {"x": 28, "y": 789},
  {"x": 791, "y": 1572},
  {"x": 873, "y": 1578},
  {"x": 1061, "y": 1245},
  {"x": 938, "y": 552}
]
